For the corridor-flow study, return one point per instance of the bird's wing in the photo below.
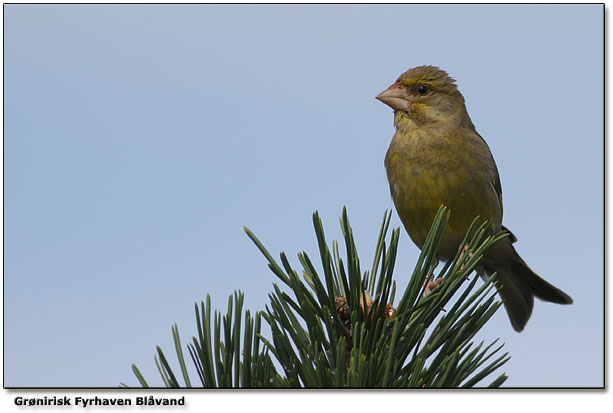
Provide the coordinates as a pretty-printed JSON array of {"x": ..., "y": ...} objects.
[
  {"x": 496, "y": 181},
  {"x": 498, "y": 188},
  {"x": 496, "y": 185},
  {"x": 490, "y": 164},
  {"x": 512, "y": 236}
]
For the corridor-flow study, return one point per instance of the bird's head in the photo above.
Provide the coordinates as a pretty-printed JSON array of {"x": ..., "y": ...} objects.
[{"x": 425, "y": 94}]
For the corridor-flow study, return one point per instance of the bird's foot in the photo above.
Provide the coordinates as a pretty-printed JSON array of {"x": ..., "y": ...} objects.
[
  {"x": 431, "y": 285},
  {"x": 470, "y": 255}
]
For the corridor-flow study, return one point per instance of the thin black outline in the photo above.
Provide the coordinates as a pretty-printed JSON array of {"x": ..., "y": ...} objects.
[{"x": 505, "y": 389}]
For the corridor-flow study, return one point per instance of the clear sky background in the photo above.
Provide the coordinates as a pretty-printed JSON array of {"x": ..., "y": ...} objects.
[{"x": 139, "y": 140}]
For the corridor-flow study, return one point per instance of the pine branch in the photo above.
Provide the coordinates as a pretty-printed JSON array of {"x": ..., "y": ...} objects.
[{"x": 337, "y": 327}]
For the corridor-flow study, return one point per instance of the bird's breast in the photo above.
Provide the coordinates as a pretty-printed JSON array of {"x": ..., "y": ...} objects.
[{"x": 425, "y": 173}]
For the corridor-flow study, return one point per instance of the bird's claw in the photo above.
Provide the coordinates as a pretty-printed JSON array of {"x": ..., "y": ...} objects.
[
  {"x": 470, "y": 255},
  {"x": 431, "y": 285}
]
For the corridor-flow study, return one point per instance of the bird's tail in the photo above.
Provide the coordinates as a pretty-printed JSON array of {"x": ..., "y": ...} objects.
[{"x": 518, "y": 284}]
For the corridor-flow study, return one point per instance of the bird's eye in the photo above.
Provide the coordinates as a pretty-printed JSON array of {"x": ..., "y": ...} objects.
[{"x": 423, "y": 90}]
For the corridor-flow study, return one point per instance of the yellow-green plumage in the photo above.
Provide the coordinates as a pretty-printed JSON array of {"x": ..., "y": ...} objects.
[{"x": 437, "y": 158}]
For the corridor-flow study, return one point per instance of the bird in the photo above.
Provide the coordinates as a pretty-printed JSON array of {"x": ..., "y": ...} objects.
[{"x": 437, "y": 157}]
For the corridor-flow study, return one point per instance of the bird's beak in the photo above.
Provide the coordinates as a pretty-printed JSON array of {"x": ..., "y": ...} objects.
[{"x": 396, "y": 97}]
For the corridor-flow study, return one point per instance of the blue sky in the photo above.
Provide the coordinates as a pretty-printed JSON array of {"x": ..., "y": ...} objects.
[{"x": 139, "y": 140}]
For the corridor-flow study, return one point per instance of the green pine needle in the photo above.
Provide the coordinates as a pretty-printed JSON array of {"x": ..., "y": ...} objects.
[{"x": 338, "y": 327}]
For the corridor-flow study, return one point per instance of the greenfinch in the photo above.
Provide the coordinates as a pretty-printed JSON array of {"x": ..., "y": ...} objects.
[{"x": 436, "y": 158}]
